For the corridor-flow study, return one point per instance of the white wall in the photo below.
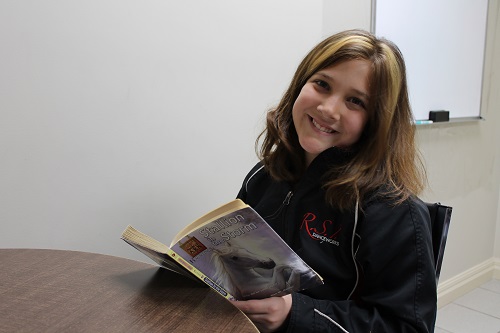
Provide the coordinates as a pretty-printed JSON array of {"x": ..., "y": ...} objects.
[
  {"x": 116, "y": 112},
  {"x": 492, "y": 98},
  {"x": 135, "y": 112}
]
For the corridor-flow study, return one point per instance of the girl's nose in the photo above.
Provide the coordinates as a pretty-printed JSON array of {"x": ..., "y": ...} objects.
[{"x": 331, "y": 107}]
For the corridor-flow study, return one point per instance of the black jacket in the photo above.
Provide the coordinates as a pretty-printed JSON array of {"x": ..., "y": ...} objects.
[{"x": 378, "y": 267}]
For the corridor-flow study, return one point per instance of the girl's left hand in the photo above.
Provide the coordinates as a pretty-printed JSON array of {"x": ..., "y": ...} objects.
[{"x": 267, "y": 314}]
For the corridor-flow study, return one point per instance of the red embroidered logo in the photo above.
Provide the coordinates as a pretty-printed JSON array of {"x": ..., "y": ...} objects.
[{"x": 323, "y": 231}]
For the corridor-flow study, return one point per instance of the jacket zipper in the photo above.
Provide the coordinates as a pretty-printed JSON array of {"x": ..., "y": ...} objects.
[
  {"x": 286, "y": 232},
  {"x": 288, "y": 197}
]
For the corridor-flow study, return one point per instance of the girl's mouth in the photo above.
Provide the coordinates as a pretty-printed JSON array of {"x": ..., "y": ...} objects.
[{"x": 321, "y": 128}]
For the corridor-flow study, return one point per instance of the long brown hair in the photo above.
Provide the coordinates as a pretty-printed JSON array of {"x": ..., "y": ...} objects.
[{"x": 384, "y": 157}]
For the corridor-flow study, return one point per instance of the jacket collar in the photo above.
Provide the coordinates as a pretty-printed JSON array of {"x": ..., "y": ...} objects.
[{"x": 330, "y": 157}]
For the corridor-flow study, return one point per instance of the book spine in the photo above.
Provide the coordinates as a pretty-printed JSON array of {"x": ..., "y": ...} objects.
[{"x": 205, "y": 279}]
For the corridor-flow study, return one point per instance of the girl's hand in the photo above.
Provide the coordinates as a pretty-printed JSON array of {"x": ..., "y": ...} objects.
[{"x": 267, "y": 314}]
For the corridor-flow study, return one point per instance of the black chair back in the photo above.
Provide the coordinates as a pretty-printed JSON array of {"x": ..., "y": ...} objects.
[{"x": 440, "y": 221}]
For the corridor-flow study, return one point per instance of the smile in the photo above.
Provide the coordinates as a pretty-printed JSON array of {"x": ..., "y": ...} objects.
[{"x": 321, "y": 128}]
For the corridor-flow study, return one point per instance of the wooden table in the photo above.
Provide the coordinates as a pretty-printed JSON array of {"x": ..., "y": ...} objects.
[{"x": 68, "y": 291}]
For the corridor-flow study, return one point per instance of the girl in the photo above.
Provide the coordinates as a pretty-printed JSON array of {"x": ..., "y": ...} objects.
[{"x": 338, "y": 180}]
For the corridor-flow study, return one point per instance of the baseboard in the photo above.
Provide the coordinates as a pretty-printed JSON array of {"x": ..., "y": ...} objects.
[
  {"x": 459, "y": 285},
  {"x": 496, "y": 272}
]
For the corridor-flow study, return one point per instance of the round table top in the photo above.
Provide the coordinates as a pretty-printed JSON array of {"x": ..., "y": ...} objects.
[{"x": 70, "y": 291}]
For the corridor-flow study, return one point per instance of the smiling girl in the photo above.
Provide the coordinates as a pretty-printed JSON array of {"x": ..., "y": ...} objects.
[{"x": 338, "y": 180}]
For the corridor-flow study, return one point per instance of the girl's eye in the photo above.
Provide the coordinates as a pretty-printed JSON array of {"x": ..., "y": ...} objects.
[
  {"x": 321, "y": 84},
  {"x": 356, "y": 101}
]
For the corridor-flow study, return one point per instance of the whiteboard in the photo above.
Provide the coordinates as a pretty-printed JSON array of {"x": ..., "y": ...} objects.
[{"x": 443, "y": 44}]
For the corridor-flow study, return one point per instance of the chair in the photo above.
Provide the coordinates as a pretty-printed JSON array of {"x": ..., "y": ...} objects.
[{"x": 440, "y": 222}]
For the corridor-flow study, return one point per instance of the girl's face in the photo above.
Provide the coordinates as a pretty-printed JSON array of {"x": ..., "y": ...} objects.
[{"x": 331, "y": 107}]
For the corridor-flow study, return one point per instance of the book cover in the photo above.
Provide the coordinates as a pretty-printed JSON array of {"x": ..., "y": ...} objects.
[{"x": 234, "y": 251}]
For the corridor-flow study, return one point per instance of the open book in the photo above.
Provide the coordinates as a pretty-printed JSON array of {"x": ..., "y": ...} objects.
[{"x": 234, "y": 251}]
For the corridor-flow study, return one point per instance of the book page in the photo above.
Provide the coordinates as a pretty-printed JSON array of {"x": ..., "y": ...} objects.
[
  {"x": 133, "y": 235},
  {"x": 155, "y": 250}
]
